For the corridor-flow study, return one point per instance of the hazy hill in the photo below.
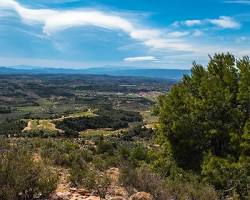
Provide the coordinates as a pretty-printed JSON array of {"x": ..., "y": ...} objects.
[{"x": 153, "y": 73}]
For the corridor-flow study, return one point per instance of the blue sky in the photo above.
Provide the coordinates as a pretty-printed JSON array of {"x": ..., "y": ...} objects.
[{"x": 127, "y": 33}]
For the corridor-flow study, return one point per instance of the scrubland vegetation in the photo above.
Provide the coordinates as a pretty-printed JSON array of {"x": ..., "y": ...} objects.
[
  {"x": 21, "y": 176},
  {"x": 198, "y": 148}
]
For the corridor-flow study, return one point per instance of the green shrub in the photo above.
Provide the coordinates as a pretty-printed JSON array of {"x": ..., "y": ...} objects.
[
  {"x": 105, "y": 147},
  {"x": 81, "y": 175},
  {"x": 138, "y": 153},
  {"x": 191, "y": 190},
  {"x": 21, "y": 177},
  {"x": 144, "y": 179},
  {"x": 231, "y": 178},
  {"x": 64, "y": 153},
  {"x": 10, "y": 127}
]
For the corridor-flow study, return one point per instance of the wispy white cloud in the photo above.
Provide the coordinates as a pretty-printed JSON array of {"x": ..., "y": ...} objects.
[
  {"x": 140, "y": 59},
  {"x": 224, "y": 22},
  {"x": 192, "y": 22},
  {"x": 247, "y": 2},
  {"x": 197, "y": 33},
  {"x": 185, "y": 42},
  {"x": 58, "y": 20},
  {"x": 176, "y": 34}
]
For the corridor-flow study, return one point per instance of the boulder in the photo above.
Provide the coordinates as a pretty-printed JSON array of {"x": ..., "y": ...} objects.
[
  {"x": 84, "y": 192},
  {"x": 72, "y": 189},
  {"x": 118, "y": 191},
  {"x": 141, "y": 196}
]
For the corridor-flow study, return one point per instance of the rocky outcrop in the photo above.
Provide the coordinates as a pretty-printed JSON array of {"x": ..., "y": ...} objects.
[
  {"x": 141, "y": 196},
  {"x": 116, "y": 191},
  {"x": 72, "y": 196}
]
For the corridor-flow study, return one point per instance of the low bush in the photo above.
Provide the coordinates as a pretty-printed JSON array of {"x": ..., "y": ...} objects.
[
  {"x": 21, "y": 177},
  {"x": 105, "y": 147},
  {"x": 11, "y": 127},
  {"x": 138, "y": 131},
  {"x": 144, "y": 179},
  {"x": 230, "y": 178},
  {"x": 65, "y": 153}
]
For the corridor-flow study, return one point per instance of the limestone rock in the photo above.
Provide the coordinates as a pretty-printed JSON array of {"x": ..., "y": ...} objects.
[{"x": 141, "y": 196}]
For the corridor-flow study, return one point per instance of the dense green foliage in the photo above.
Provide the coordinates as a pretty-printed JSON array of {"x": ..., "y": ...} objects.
[
  {"x": 204, "y": 123},
  {"x": 5, "y": 109},
  {"x": 136, "y": 132},
  {"x": 111, "y": 118},
  {"x": 10, "y": 127}
]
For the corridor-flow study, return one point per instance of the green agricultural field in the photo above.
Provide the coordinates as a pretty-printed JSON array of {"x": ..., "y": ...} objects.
[
  {"x": 100, "y": 132},
  {"x": 41, "y": 125},
  {"x": 89, "y": 113}
]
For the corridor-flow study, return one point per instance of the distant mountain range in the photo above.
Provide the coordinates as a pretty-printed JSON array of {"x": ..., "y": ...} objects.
[{"x": 152, "y": 73}]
